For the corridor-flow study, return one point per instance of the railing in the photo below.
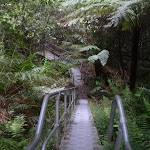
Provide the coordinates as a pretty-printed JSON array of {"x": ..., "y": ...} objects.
[
  {"x": 72, "y": 93},
  {"x": 123, "y": 131}
]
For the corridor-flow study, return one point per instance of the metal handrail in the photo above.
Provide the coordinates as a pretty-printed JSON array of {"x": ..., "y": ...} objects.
[
  {"x": 123, "y": 131},
  {"x": 73, "y": 92}
]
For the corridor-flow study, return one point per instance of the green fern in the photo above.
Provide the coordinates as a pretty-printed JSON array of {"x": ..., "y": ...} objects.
[
  {"x": 126, "y": 10},
  {"x": 10, "y": 144},
  {"x": 17, "y": 126},
  {"x": 79, "y": 37},
  {"x": 76, "y": 47},
  {"x": 102, "y": 57},
  {"x": 19, "y": 107},
  {"x": 138, "y": 138},
  {"x": 7, "y": 144},
  {"x": 84, "y": 10},
  {"x": 95, "y": 89},
  {"x": 147, "y": 104},
  {"x": 89, "y": 47},
  {"x": 64, "y": 43}
]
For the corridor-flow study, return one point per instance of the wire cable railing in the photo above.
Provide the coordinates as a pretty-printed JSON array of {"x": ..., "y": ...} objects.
[
  {"x": 69, "y": 105},
  {"x": 122, "y": 130}
]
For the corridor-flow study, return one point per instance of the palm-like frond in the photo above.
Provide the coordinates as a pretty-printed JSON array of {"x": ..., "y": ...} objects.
[
  {"x": 126, "y": 10},
  {"x": 84, "y": 10},
  {"x": 89, "y": 47},
  {"x": 102, "y": 56}
]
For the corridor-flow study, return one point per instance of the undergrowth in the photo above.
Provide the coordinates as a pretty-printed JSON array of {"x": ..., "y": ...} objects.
[
  {"x": 20, "y": 101},
  {"x": 137, "y": 111}
]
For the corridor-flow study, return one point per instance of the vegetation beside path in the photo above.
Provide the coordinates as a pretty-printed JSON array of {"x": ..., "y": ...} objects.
[
  {"x": 107, "y": 39},
  {"x": 136, "y": 106}
]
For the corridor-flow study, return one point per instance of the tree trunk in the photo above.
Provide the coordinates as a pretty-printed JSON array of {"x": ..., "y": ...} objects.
[
  {"x": 134, "y": 58},
  {"x": 98, "y": 68},
  {"x": 100, "y": 72},
  {"x": 120, "y": 44}
]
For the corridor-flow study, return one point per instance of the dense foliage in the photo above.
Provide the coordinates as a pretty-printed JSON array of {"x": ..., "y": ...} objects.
[
  {"x": 26, "y": 28},
  {"x": 136, "y": 107},
  {"x": 111, "y": 35}
]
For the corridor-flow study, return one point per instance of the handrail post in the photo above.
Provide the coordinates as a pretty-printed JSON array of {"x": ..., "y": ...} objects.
[
  {"x": 39, "y": 129},
  {"x": 57, "y": 122},
  {"x": 74, "y": 99},
  {"x": 119, "y": 138},
  {"x": 123, "y": 131},
  {"x": 65, "y": 111},
  {"x": 70, "y": 101},
  {"x": 72, "y": 78},
  {"x": 111, "y": 121},
  {"x": 77, "y": 93}
]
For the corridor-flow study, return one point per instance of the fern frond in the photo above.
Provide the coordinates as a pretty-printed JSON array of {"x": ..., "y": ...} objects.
[
  {"x": 79, "y": 37},
  {"x": 124, "y": 10},
  {"x": 32, "y": 75},
  {"x": 83, "y": 10},
  {"x": 96, "y": 89},
  {"x": 102, "y": 56},
  {"x": 64, "y": 43},
  {"x": 147, "y": 104},
  {"x": 89, "y": 47},
  {"x": 63, "y": 70},
  {"x": 76, "y": 47},
  {"x": 74, "y": 61},
  {"x": 93, "y": 58},
  {"x": 19, "y": 107}
]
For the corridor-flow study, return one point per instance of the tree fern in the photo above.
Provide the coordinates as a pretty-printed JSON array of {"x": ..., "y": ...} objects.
[
  {"x": 125, "y": 10},
  {"x": 84, "y": 10}
]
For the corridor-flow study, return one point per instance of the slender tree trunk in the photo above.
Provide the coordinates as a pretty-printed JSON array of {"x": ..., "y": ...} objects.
[
  {"x": 98, "y": 68},
  {"x": 121, "y": 57},
  {"x": 100, "y": 72},
  {"x": 134, "y": 58}
]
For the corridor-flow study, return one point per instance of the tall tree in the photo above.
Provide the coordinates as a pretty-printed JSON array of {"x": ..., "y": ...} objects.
[
  {"x": 133, "y": 16},
  {"x": 81, "y": 15},
  {"x": 25, "y": 24}
]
